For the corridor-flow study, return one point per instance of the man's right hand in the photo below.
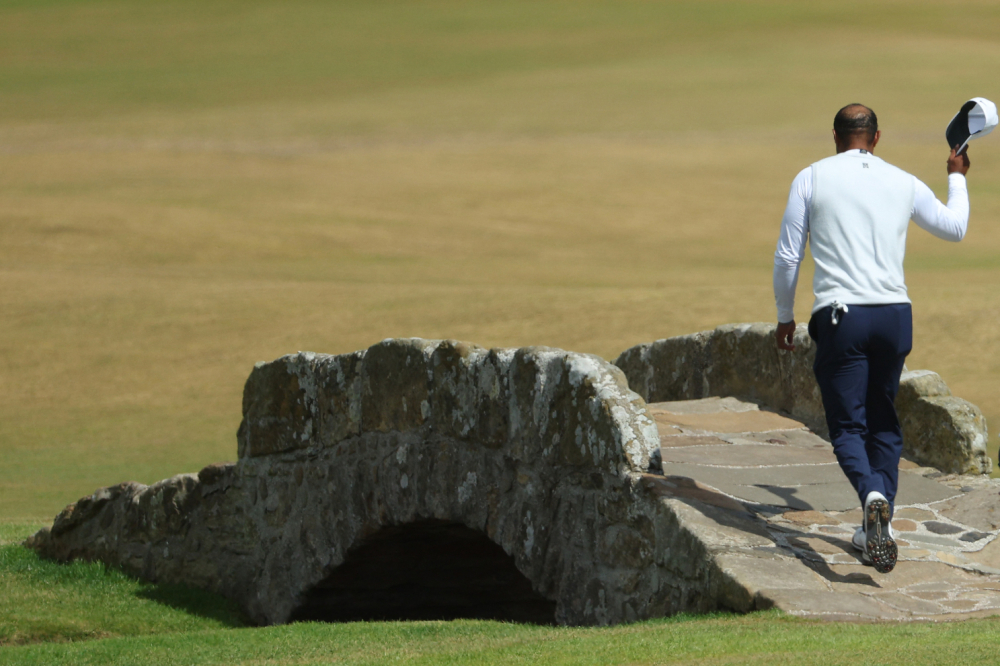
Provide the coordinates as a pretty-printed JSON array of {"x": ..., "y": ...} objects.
[
  {"x": 958, "y": 163},
  {"x": 785, "y": 334}
]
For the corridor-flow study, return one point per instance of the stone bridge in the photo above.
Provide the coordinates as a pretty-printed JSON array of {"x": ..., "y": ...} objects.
[{"x": 430, "y": 479}]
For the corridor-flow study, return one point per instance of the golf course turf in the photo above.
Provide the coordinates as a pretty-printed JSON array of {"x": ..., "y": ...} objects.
[{"x": 187, "y": 188}]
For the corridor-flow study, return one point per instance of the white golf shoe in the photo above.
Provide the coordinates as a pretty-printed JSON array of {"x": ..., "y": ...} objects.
[{"x": 875, "y": 538}]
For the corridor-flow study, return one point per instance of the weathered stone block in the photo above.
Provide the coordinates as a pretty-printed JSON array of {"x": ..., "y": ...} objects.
[
  {"x": 455, "y": 399},
  {"x": 743, "y": 361},
  {"x": 669, "y": 369},
  {"x": 916, "y": 384},
  {"x": 339, "y": 396},
  {"x": 948, "y": 433},
  {"x": 492, "y": 400},
  {"x": 279, "y": 406},
  {"x": 394, "y": 385},
  {"x": 216, "y": 473}
]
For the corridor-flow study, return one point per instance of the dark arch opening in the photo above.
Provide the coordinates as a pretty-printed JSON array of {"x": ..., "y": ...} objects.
[{"x": 429, "y": 570}]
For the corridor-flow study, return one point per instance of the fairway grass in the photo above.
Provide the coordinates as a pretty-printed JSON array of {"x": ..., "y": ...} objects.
[
  {"x": 47, "y": 601},
  {"x": 82, "y": 614},
  {"x": 189, "y": 188}
]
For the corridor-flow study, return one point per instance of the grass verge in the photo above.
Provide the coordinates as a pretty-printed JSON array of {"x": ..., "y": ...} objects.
[
  {"x": 762, "y": 638},
  {"x": 47, "y": 601},
  {"x": 49, "y": 608}
]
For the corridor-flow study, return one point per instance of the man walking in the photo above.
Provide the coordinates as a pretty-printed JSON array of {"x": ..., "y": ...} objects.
[{"x": 854, "y": 209}]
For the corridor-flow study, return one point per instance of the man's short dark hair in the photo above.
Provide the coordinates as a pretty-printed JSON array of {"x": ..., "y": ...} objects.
[{"x": 855, "y": 119}]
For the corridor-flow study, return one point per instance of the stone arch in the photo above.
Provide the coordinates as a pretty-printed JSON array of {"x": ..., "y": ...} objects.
[
  {"x": 517, "y": 445},
  {"x": 425, "y": 570},
  {"x": 544, "y": 452}
]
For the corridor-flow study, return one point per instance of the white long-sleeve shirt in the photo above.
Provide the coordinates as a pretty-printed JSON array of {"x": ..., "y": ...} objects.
[{"x": 947, "y": 222}]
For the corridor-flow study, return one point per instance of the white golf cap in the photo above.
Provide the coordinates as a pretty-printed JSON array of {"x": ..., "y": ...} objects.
[{"x": 977, "y": 118}]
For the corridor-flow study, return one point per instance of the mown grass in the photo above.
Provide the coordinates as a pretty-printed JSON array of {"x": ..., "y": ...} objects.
[
  {"x": 46, "y": 601},
  {"x": 761, "y": 638},
  {"x": 51, "y": 609}
]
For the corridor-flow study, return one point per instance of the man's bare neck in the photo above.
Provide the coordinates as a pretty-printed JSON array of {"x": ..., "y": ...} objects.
[{"x": 856, "y": 146}]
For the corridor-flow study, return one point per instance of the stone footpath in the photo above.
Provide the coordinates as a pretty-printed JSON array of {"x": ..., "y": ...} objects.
[{"x": 768, "y": 499}]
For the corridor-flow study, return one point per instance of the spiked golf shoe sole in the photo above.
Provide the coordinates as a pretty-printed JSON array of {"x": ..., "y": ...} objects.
[{"x": 879, "y": 544}]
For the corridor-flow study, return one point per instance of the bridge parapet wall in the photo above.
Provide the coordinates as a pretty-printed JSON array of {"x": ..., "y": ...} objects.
[{"x": 742, "y": 360}]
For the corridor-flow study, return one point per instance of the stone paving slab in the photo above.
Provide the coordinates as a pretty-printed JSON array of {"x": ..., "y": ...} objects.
[
  {"x": 703, "y": 406},
  {"x": 801, "y": 487},
  {"x": 748, "y": 421},
  {"x": 678, "y": 441},
  {"x": 977, "y": 508},
  {"x": 777, "y": 515},
  {"x": 801, "y": 438},
  {"x": 747, "y": 455}
]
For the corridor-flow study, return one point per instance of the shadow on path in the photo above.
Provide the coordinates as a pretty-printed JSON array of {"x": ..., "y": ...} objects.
[
  {"x": 723, "y": 510},
  {"x": 788, "y": 495}
]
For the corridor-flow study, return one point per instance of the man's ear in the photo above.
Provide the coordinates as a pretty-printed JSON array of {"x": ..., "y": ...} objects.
[
  {"x": 878, "y": 135},
  {"x": 836, "y": 140}
]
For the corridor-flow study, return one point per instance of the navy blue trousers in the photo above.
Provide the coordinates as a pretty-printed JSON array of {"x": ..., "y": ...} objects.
[{"x": 858, "y": 364}]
